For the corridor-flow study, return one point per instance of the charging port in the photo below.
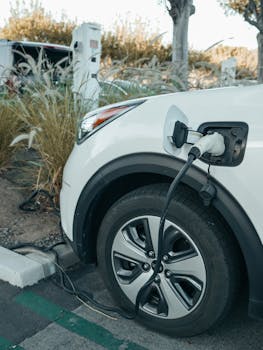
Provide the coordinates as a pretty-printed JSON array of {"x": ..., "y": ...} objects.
[{"x": 235, "y": 138}]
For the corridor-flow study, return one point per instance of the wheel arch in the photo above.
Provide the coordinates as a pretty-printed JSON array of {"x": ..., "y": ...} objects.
[{"x": 127, "y": 173}]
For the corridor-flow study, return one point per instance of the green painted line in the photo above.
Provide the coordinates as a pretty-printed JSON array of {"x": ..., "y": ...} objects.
[
  {"x": 73, "y": 322},
  {"x": 6, "y": 345}
]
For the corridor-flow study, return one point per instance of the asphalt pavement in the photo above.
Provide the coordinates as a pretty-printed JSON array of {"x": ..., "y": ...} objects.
[{"x": 44, "y": 317}]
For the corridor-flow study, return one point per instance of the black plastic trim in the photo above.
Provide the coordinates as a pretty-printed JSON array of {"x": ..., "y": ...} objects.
[{"x": 225, "y": 203}]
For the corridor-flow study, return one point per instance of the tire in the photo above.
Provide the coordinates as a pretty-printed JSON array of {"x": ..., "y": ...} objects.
[{"x": 199, "y": 275}]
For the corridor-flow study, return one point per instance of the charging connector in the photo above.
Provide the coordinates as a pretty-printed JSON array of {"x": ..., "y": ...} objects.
[{"x": 210, "y": 143}]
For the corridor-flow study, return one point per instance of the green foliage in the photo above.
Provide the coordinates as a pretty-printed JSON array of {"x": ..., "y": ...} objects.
[
  {"x": 48, "y": 116},
  {"x": 122, "y": 82},
  {"x": 133, "y": 41},
  {"x": 35, "y": 24},
  {"x": 251, "y": 10},
  {"x": 9, "y": 125},
  {"x": 246, "y": 59},
  {"x": 53, "y": 118},
  {"x": 238, "y": 6}
]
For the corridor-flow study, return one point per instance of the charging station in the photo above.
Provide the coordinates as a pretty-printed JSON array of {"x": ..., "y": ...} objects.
[
  {"x": 86, "y": 47},
  {"x": 5, "y": 60}
]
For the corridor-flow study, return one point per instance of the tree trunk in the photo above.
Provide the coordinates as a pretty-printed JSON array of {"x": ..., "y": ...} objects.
[
  {"x": 260, "y": 57},
  {"x": 180, "y": 44}
]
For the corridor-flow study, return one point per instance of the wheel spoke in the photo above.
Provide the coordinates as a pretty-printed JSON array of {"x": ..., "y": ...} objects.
[
  {"x": 176, "y": 307},
  {"x": 124, "y": 247},
  {"x": 132, "y": 289},
  {"x": 154, "y": 222},
  {"x": 189, "y": 266},
  {"x": 126, "y": 270},
  {"x": 138, "y": 232},
  {"x": 153, "y": 300}
]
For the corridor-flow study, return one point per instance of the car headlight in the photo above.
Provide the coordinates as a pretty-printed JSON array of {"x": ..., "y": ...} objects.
[{"x": 95, "y": 120}]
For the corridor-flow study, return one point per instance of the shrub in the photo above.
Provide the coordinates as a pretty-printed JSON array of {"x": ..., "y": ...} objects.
[
  {"x": 9, "y": 125},
  {"x": 49, "y": 121},
  {"x": 121, "y": 81},
  {"x": 49, "y": 117},
  {"x": 33, "y": 23},
  {"x": 246, "y": 59},
  {"x": 133, "y": 41}
]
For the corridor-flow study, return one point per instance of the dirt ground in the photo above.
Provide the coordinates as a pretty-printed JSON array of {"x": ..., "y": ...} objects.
[{"x": 17, "y": 226}]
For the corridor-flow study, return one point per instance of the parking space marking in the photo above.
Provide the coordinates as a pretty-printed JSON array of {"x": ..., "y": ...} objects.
[
  {"x": 6, "y": 345},
  {"x": 73, "y": 322}
]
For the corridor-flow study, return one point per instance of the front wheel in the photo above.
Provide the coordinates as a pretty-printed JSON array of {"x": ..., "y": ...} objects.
[{"x": 198, "y": 277}]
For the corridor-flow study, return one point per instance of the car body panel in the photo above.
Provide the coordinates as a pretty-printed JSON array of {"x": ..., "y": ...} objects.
[{"x": 141, "y": 131}]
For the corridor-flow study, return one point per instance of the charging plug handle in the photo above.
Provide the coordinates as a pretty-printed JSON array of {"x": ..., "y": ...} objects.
[{"x": 211, "y": 143}]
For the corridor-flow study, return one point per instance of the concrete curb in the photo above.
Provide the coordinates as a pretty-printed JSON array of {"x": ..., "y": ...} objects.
[
  {"x": 66, "y": 255},
  {"x": 25, "y": 270}
]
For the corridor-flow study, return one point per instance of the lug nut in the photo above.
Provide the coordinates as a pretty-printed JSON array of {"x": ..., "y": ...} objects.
[
  {"x": 146, "y": 267},
  {"x": 168, "y": 274},
  {"x": 151, "y": 254},
  {"x": 165, "y": 258},
  {"x": 157, "y": 279}
]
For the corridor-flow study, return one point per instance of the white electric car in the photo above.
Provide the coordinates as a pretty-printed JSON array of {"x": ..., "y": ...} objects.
[{"x": 115, "y": 186}]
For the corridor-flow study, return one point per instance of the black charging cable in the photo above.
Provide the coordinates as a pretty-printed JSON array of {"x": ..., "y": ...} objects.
[
  {"x": 31, "y": 204},
  {"x": 192, "y": 156}
]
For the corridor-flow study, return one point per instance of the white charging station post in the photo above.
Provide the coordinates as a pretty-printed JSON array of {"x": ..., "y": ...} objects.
[
  {"x": 86, "y": 46},
  {"x": 228, "y": 71}
]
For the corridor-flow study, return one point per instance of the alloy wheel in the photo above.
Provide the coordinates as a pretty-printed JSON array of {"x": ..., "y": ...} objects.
[{"x": 180, "y": 284}]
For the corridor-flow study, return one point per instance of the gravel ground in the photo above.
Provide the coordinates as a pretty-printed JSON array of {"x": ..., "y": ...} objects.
[{"x": 17, "y": 226}]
